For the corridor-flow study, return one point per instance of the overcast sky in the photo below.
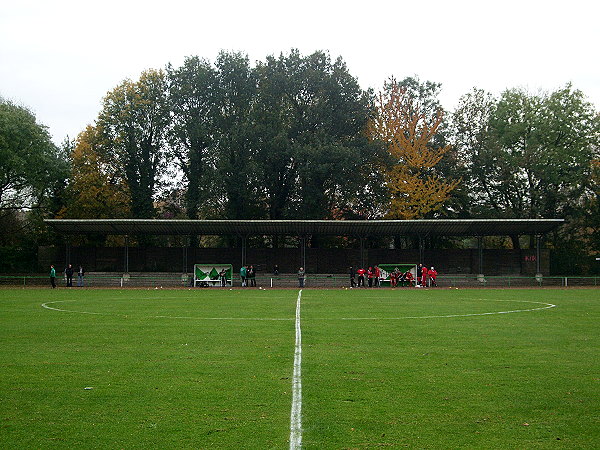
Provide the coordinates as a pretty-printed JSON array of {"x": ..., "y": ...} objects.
[{"x": 60, "y": 58}]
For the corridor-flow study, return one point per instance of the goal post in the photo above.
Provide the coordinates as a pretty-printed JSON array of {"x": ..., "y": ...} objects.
[
  {"x": 387, "y": 269},
  {"x": 209, "y": 274}
]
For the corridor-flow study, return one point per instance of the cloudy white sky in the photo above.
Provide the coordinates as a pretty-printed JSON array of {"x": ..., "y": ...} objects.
[{"x": 59, "y": 58}]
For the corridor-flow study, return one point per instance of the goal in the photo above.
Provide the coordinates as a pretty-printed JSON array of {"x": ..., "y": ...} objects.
[{"x": 208, "y": 274}]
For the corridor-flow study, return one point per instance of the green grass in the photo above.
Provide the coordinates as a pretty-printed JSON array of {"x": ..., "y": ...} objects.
[{"x": 202, "y": 369}]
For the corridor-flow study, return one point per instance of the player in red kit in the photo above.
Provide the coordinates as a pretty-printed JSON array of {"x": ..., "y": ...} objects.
[
  {"x": 424, "y": 276},
  {"x": 432, "y": 276},
  {"x": 408, "y": 276},
  {"x": 361, "y": 277}
]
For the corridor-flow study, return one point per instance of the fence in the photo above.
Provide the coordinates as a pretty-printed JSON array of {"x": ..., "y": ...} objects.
[{"x": 178, "y": 280}]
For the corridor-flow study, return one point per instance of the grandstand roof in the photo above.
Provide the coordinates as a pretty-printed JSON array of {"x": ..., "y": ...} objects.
[{"x": 425, "y": 227}]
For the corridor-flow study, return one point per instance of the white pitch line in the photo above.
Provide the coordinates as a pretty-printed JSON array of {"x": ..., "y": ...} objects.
[
  {"x": 45, "y": 305},
  {"x": 296, "y": 414},
  {"x": 546, "y": 306}
]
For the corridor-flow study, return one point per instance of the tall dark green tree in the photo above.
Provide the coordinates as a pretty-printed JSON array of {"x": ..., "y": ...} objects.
[
  {"x": 134, "y": 120},
  {"x": 234, "y": 137},
  {"x": 313, "y": 116},
  {"x": 192, "y": 101},
  {"x": 276, "y": 152}
]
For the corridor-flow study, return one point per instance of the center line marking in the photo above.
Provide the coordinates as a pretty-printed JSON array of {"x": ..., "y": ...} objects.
[{"x": 296, "y": 415}]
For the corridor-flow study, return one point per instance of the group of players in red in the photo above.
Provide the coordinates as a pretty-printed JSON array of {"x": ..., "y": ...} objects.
[
  {"x": 373, "y": 276},
  {"x": 424, "y": 278}
]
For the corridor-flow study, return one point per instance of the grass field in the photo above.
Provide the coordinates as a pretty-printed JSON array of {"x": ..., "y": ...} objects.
[{"x": 211, "y": 368}]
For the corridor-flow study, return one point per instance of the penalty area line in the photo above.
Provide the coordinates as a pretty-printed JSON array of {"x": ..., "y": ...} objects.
[{"x": 296, "y": 414}]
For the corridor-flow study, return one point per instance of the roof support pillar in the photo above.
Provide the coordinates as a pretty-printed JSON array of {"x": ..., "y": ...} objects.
[
  {"x": 126, "y": 259},
  {"x": 480, "y": 275},
  {"x": 185, "y": 253},
  {"x": 244, "y": 242},
  {"x": 538, "y": 257},
  {"x": 68, "y": 252},
  {"x": 362, "y": 252},
  {"x": 303, "y": 252}
]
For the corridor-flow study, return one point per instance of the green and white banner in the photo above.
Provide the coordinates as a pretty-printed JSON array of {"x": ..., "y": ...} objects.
[{"x": 210, "y": 272}]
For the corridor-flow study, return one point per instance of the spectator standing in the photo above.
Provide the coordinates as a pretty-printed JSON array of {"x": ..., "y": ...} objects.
[
  {"x": 53, "y": 277},
  {"x": 352, "y": 277},
  {"x": 301, "y": 275},
  {"x": 223, "y": 277},
  {"x": 69, "y": 275},
  {"x": 252, "y": 276},
  {"x": 243, "y": 273},
  {"x": 80, "y": 274}
]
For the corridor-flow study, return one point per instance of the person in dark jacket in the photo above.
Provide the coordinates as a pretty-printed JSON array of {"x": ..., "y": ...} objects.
[
  {"x": 251, "y": 274},
  {"x": 301, "y": 277},
  {"x": 69, "y": 275}
]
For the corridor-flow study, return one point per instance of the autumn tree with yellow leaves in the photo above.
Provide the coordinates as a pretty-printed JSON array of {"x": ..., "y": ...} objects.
[
  {"x": 96, "y": 190},
  {"x": 404, "y": 127}
]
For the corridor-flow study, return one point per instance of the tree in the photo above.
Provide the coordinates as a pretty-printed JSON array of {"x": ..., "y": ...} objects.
[
  {"x": 314, "y": 158},
  {"x": 96, "y": 189},
  {"x": 408, "y": 131},
  {"x": 473, "y": 140},
  {"x": 590, "y": 221},
  {"x": 30, "y": 164},
  {"x": 527, "y": 156},
  {"x": 134, "y": 120},
  {"x": 276, "y": 153},
  {"x": 32, "y": 175},
  {"x": 192, "y": 99},
  {"x": 235, "y": 89}
]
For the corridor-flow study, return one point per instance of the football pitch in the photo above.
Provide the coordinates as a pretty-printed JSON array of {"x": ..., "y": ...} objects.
[{"x": 241, "y": 368}]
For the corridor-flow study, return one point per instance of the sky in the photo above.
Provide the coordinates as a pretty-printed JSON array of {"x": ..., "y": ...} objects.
[{"x": 59, "y": 58}]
